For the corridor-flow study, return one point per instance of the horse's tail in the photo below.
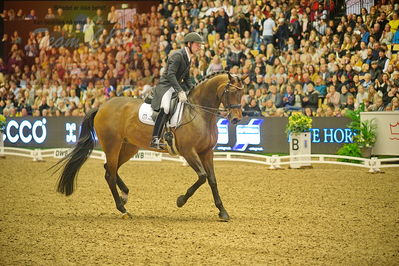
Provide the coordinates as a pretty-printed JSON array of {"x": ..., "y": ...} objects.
[{"x": 74, "y": 160}]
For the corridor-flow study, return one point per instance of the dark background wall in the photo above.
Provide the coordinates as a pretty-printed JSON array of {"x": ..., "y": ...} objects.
[{"x": 63, "y": 132}]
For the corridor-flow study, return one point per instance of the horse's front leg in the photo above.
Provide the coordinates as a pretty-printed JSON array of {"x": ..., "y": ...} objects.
[
  {"x": 195, "y": 162},
  {"x": 207, "y": 162}
]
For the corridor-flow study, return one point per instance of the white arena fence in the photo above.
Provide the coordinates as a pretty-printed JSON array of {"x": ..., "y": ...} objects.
[{"x": 373, "y": 164}]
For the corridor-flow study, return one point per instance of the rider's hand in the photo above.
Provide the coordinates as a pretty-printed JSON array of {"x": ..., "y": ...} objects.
[{"x": 182, "y": 96}]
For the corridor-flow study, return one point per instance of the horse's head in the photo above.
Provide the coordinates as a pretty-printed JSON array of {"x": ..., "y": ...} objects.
[{"x": 231, "y": 98}]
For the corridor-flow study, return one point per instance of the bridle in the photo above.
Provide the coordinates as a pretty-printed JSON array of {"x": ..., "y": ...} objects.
[
  {"x": 216, "y": 111},
  {"x": 225, "y": 93},
  {"x": 229, "y": 107}
]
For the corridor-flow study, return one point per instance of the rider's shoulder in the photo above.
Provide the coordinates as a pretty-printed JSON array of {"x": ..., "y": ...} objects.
[{"x": 176, "y": 54}]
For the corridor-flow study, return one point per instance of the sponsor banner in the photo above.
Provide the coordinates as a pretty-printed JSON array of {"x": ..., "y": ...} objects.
[
  {"x": 61, "y": 153},
  {"x": 147, "y": 156},
  {"x": 252, "y": 134},
  {"x": 267, "y": 135}
]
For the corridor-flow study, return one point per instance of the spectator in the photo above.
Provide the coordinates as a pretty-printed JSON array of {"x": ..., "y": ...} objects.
[
  {"x": 31, "y": 15},
  {"x": 43, "y": 105},
  {"x": 320, "y": 87},
  {"x": 333, "y": 97},
  {"x": 344, "y": 97},
  {"x": 98, "y": 21},
  {"x": 50, "y": 14},
  {"x": 252, "y": 108},
  {"x": 221, "y": 23},
  {"x": 394, "y": 106},
  {"x": 274, "y": 96},
  {"x": 388, "y": 96},
  {"x": 289, "y": 98},
  {"x": 295, "y": 30},
  {"x": 88, "y": 30},
  {"x": 367, "y": 80},
  {"x": 394, "y": 23},
  {"x": 387, "y": 35},
  {"x": 310, "y": 98},
  {"x": 235, "y": 56},
  {"x": 377, "y": 106},
  {"x": 215, "y": 66},
  {"x": 20, "y": 15},
  {"x": 60, "y": 16},
  {"x": 15, "y": 38},
  {"x": 282, "y": 34},
  {"x": 113, "y": 16},
  {"x": 361, "y": 96},
  {"x": 269, "y": 26},
  {"x": 268, "y": 108}
]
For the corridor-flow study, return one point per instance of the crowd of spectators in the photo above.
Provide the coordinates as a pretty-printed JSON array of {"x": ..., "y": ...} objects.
[{"x": 298, "y": 54}]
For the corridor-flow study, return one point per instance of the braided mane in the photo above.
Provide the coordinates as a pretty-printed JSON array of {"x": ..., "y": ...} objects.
[{"x": 207, "y": 77}]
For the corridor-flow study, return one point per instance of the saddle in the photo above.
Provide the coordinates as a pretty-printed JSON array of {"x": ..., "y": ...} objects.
[
  {"x": 173, "y": 106},
  {"x": 172, "y": 121}
]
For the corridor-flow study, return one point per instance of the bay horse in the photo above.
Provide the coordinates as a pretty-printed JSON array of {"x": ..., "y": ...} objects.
[{"x": 120, "y": 134}]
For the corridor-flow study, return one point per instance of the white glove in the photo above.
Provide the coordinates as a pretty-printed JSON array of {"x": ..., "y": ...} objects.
[{"x": 182, "y": 96}]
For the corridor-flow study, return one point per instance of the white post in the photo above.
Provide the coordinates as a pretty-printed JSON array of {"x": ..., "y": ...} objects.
[
  {"x": 374, "y": 164},
  {"x": 37, "y": 155},
  {"x": 275, "y": 162},
  {"x": 300, "y": 145}
]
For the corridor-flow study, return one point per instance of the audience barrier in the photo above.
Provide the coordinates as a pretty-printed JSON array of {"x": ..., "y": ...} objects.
[{"x": 374, "y": 164}]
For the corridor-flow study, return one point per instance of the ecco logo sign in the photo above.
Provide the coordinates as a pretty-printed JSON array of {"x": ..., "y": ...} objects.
[{"x": 36, "y": 131}]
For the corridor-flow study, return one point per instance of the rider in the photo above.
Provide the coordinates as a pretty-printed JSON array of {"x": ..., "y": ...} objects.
[{"x": 175, "y": 78}]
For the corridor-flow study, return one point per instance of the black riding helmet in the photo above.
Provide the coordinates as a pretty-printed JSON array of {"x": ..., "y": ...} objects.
[{"x": 193, "y": 37}]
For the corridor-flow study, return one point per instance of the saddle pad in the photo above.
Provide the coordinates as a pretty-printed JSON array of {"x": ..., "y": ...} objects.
[{"x": 145, "y": 115}]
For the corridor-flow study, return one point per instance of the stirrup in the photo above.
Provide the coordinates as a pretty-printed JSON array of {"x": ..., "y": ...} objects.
[{"x": 156, "y": 144}]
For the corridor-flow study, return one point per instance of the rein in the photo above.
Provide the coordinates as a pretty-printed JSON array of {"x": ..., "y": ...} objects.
[
  {"x": 215, "y": 111},
  {"x": 210, "y": 110}
]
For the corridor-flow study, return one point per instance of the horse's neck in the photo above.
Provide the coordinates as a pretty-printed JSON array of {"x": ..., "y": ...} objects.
[{"x": 207, "y": 94}]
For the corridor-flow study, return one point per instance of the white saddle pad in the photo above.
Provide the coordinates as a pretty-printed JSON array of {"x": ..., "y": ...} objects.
[{"x": 145, "y": 115}]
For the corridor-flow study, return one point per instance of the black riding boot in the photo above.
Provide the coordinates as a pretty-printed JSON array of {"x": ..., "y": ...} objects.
[{"x": 156, "y": 134}]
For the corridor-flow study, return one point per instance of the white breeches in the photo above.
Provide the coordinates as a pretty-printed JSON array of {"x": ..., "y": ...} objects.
[{"x": 165, "y": 102}]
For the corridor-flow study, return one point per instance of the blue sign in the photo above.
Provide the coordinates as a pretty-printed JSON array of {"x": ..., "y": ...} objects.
[
  {"x": 248, "y": 135},
  {"x": 332, "y": 135},
  {"x": 223, "y": 131}
]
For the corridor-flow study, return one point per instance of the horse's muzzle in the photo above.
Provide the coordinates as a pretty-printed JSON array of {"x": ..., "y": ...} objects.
[{"x": 235, "y": 120}]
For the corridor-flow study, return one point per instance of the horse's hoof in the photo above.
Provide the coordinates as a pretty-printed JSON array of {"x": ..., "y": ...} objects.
[
  {"x": 224, "y": 216},
  {"x": 126, "y": 215},
  {"x": 181, "y": 200}
]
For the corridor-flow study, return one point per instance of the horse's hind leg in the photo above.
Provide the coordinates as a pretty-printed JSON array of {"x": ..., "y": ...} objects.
[
  {"x": 112, "y": 153},
  {"x": 127, "y": 151},
  {"x": 122, "y": 186},
  {"x": 194, "y": 161}
]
